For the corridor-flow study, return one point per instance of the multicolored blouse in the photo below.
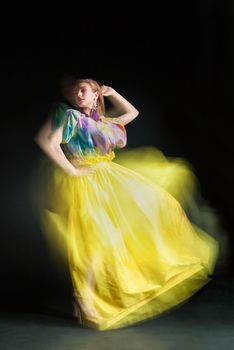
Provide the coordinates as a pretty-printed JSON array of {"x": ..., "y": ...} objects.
[{"x": 83, "y": 136}]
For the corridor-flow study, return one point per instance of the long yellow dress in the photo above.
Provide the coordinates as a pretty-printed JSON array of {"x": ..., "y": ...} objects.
[{"x": 132, "y": 252}]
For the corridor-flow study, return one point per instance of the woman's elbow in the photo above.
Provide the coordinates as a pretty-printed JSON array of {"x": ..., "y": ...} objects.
[
  {"x": 37, "y": 140},
  {"x": 135, "y": 113},
  {"x": 45, "y": 143},
  {"x": 40, "y": 141}
]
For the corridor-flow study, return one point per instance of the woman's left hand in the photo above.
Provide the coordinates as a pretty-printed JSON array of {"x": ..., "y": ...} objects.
[{"x": 107, "y": 90}]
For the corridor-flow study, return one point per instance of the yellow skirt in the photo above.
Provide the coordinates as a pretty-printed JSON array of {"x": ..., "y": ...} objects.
[{"x": 130, "y": 247}]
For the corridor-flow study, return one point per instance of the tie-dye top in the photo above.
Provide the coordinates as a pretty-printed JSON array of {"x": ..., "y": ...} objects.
[{"x": 83, "y": 136}]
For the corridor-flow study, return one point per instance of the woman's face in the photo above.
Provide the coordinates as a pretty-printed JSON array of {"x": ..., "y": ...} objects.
[{"x": 85, "y": 96}]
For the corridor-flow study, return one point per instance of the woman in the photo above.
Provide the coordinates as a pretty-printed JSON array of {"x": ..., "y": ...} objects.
[{"x": 131, "y": 249}]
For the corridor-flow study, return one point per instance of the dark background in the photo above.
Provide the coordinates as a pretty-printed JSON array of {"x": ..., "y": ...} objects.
[{"x": 174, "y": 63}]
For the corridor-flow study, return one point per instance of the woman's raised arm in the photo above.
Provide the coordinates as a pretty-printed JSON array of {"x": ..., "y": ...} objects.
[{"x": 129, "y": 112}]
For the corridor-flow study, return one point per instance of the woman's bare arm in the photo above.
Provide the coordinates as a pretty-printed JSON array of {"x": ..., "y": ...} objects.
[
  {"x": 129, "y": 112},
  {"x": 49, "y": 141}
]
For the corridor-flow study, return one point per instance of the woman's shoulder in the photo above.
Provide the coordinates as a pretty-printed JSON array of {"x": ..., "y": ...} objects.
[
  {"x": 62, "y": 112},
  {"x": 114, "y": 120},
  {"x": 62, "y": 109},
  {"x": 60, "y": 105}
]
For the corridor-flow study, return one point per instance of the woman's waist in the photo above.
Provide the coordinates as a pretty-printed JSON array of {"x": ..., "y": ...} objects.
[{"x": 91, "y": 158}]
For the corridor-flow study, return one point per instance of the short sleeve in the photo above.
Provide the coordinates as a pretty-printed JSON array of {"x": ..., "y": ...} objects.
[
  {"x": 117, "y": 133},
  {"x": 62, "y": 114}
]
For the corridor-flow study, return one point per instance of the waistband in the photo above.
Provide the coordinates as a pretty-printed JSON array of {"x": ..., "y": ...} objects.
[{"x": 92, "y": 159}]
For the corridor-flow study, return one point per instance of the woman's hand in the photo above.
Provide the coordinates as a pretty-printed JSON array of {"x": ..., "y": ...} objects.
[
  {"x": 83, "y": 170},
  {"x": 107, "y": 90}
]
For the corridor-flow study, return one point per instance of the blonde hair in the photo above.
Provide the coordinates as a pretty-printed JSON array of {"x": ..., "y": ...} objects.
[{"x": 70, "y": 85}]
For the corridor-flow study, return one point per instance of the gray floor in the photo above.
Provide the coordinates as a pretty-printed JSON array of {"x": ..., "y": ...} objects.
[{"x": 206, "y": 321}]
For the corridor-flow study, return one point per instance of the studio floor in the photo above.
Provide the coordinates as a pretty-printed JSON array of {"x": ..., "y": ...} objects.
[{"x": 206, "y": 321}]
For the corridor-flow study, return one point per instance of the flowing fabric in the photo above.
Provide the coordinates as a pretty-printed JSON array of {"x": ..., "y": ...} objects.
[{"x": 131, "y": 249}]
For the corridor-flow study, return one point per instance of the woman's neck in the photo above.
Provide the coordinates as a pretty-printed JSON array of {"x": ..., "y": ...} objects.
[
  {"x": 86, "y": 111},
  {"x": 89, "y": 112}
]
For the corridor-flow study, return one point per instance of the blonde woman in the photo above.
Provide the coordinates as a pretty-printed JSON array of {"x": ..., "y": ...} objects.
[{"x": 132, "y": 252}]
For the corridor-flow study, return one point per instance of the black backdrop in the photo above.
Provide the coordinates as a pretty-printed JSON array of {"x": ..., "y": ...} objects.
[{"x": 175, "y": 64}]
